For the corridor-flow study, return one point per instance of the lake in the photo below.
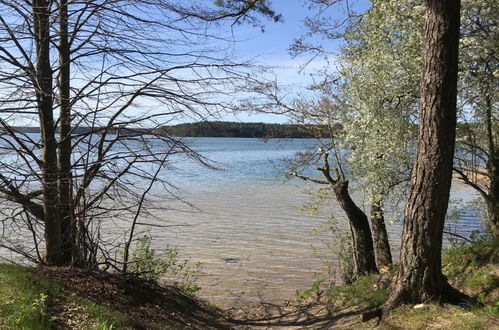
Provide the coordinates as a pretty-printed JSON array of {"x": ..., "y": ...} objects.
[
  {"x": 251, "y": 235},
  {"x": 247, "y": 226}
]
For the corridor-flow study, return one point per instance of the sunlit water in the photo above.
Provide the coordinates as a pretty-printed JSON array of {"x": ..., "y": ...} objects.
[
  {"x": 251, "y": 234},
  {"x": 249, "y": 230}
]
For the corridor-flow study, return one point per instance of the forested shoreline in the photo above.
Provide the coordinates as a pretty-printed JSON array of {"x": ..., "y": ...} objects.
[
  {"x": 217, "y": 129},
  {"x": 246, "y": 130}
]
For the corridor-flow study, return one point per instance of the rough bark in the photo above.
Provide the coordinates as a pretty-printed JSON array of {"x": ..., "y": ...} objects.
[
  {"x": 44, "y": 95},
  {"x": 420, "y": 277},
  {"x": 365, "y": 261},
  {"x": 380, "y": 236},
  {"x": 364, "y": 249}
]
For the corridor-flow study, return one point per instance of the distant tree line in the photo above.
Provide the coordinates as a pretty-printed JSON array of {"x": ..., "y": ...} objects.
[
  {"x": 85, "y": 130},
  {"x": 246, "y": 130}
]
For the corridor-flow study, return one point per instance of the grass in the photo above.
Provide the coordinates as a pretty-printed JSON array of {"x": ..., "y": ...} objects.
[
  {"x": 438, "y": 317},
  {"x": 48, "y": 298},
  {"x": 30, "y": 301},
  {"x": 474, "y": 270},
  {"x": 471, "y": 268}
]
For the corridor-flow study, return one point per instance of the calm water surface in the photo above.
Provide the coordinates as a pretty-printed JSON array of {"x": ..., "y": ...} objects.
[
  {"x": 247, "y": 227},
  {"x": 250, "y": 233}
]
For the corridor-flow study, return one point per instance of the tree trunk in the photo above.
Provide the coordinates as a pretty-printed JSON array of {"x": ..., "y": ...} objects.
[
  {"x": 493, "y": 194},
  {"x": 363, "y": 243},
  {"x": 380, "y": 236},
  {"x": 44, "y": 95},
  {"x": 64, "y": 161},
  {"x": 420, "y": 277}
]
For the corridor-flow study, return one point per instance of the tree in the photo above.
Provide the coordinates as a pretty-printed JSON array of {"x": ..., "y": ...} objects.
[
  {"x": 380, "y": 74},
  {"x": 335, "y": 178},
  {"x": 476, "y": 159},
  {"x": 374, "y": 119},
  {"x": 420, "y": 277},
  {"x": 382, "y": 65},
  {"x": 378, "y": 77},
  {"x": 119, "y": 67}
]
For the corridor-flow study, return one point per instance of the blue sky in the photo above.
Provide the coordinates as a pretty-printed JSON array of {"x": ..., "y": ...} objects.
[
  {"x": 267, "y": 48},
  {"x": 271, "y": 47}
]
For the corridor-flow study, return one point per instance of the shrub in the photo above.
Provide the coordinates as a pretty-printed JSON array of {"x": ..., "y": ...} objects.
[{"x": 146, "y": 264}]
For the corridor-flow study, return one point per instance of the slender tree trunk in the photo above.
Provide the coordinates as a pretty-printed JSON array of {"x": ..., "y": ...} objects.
[
  {"x": 64, "y": 161},
  {"x": 493, "y": 194},
  {"x": 380, "y": 236},
  {"x": 492, "y": 167},
  {"x": 44, "y": 95},
  {"x": 364, "y": 249},
  {"x": 420, "y": 277}
]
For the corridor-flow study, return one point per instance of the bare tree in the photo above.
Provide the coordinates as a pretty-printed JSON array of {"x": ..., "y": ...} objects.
[{"x": 121, "y": 68}]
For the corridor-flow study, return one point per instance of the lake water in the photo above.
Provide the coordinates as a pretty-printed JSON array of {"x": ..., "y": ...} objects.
[
  {"x": 248, "y": 229},
  {"x": 251, "y": 235}
]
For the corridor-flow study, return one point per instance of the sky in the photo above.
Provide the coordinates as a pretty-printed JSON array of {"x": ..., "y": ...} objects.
[{"x": 271, "y": 47}]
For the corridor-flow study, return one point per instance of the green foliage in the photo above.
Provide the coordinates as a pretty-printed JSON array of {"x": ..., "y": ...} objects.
[
  {"x": 365, "y": 292},
  {"x": 34, "y": 314},
  {"x": 465, "y": 257},
  {"x": 105, "y": 326},
  {"x": 472, "y": 267},
  {"x": 169, "y": 267},
  {"x": 315, "y": 288}
]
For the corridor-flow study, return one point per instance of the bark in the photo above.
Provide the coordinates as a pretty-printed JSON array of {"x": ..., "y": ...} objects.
[
  {"x": 492, "y": 171},
  {"x": 380, "y": 236},
  {"x": 420, "y": 277},
  {"x": 493, "y": 194},
  {"x": 363, "y": 243},
  {"x": 70, "y": 250},
  {"x": 44, "y": 95}
]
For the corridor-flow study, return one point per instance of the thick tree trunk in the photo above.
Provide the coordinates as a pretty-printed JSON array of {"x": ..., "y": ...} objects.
[
  {"x": 420, "y": 276},
  {"x": 44, "y": 95},
  {"x": 70, "y": 250},
  {"x": 380, "y": 236},
  {"x": 364, "y": 249}
]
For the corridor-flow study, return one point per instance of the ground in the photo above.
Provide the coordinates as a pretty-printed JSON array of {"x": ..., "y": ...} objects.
[{"x": 69, "y": 298}]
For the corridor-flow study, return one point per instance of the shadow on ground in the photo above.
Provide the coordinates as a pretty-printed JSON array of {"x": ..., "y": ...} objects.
[{"x": 293, "y": 315}]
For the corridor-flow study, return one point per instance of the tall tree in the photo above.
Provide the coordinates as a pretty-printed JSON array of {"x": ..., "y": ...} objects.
[
  {"x": 44, "y": 97},
  {"x": 420, "y": 277},
  {"x": 115, "y": 64}
]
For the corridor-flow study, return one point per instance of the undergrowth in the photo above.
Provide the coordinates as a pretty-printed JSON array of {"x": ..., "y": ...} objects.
[
  {"x": 365, "y": 292},
  {"x": 146, "y": 264}
]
